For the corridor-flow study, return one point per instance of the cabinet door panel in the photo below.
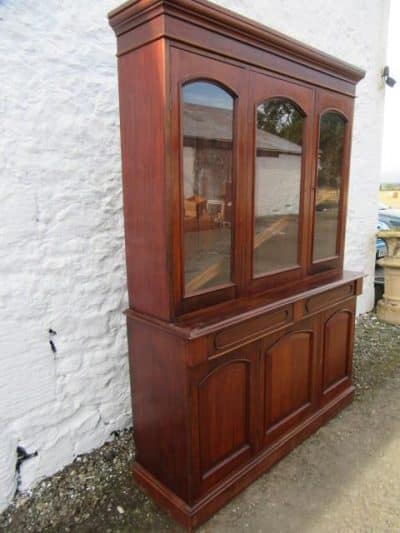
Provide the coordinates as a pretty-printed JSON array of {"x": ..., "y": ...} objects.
[
  {"x": 338, "y": 330},
  {"x": 226, "y": 386},
  {"x": 225, "y": 403},
  {"x": 282, "y": 120},
  {"x": 208, "y": 124},
  {"x": 333, "y": 123},
  {"x": 290, "y": 370}
]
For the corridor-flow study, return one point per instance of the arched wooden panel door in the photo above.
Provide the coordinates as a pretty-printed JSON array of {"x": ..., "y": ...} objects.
[
  {"x": 338, "y": 336},
  {"x": 224, "y": 403},
  {"x": 290, "y": 377}
]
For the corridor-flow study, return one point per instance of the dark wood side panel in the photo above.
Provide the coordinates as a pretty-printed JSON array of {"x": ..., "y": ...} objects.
[
  {"x": 142, "y": 111},
  {"x": 160, "y": 408}
]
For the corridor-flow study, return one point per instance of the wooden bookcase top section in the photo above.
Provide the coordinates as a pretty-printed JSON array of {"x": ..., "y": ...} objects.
[
  {"x": 139, "y": 22},
  {"x": 164, "y": 44}
]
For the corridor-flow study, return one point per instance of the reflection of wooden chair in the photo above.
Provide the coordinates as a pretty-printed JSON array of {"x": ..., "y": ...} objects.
[
  {"x": 206, "y": 275},
  {"x": 195, "y": 206}
]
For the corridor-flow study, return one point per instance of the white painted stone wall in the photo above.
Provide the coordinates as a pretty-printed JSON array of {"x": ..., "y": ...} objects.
[
  {"x": 61, "y": 236},
  {"x": 61, "y": 230},
  {"x": 278, "y": 185}
]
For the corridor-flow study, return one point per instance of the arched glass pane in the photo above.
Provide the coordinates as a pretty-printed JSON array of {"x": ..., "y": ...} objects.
[
  {"x": 277, "y": 186},
  {"x": 207, "y": 185},
  {"x": 330, "y": 162}
]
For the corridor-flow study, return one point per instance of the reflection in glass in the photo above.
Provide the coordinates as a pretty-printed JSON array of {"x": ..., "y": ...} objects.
[
  {"x": 330, "y": 159},
  {"x": 277, "y": 186},
  {"x": 207, "y": 184}
]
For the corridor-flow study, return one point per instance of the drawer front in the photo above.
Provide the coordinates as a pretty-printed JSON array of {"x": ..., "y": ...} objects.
[
  {"x": 326, "y": 299},
  {"x": 250, "y": 329}
]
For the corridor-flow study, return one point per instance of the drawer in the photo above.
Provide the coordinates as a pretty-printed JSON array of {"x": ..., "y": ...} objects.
[
  {"x": 251, "y": 329},
  {"x": 326, "y": 299}
]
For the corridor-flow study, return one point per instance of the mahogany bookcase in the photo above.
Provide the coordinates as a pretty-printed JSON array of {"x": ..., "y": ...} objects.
[{"x": 235, "y": 157}]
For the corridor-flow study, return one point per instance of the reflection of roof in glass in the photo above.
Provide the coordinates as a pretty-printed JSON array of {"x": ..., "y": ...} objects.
[{"x": 216, "y": 124}]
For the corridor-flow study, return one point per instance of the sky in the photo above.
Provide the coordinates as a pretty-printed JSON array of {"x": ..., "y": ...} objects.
[
  {"x": 391, "y": 131},
  {"x": 201, "y": 92}
]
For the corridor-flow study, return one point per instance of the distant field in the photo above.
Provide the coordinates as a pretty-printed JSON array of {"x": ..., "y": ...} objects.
[{"x": 391, "y": 198}]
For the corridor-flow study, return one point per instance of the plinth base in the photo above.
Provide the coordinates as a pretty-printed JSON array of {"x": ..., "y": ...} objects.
[
  {"x": 191, "y": 516},
  {"x": 388, "y": 311}
]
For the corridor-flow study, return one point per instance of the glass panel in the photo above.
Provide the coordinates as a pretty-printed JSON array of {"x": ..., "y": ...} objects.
[
  {"x": 207, "y": 173},
  {"x": 277, "y": 186},
  {"x": 330, "y": 160}
]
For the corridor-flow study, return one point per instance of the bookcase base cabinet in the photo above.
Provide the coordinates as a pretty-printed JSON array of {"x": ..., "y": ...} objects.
[
  {"x": 216, "y": 406},
  {"x": 191, "y": 516}
]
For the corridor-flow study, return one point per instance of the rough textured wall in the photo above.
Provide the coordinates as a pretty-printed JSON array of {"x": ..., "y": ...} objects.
[
  {"x": 281, "y": 195},
  {"x": 61, "y": 232}
]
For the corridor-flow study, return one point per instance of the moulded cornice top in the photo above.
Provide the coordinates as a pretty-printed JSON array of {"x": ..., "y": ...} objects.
[{"x": 134, "y": 12}]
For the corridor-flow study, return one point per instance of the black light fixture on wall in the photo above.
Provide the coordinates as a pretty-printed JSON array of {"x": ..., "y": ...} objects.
[{"x": 388, "y": 80}]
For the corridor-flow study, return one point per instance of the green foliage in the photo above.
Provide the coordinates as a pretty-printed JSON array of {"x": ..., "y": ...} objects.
[
  {"x": 281, "y": 118},
  {"x": 331, "y": 139}
]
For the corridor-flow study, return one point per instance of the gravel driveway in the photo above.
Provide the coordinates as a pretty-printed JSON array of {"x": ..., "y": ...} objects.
[{"x": 345, "y": 478}]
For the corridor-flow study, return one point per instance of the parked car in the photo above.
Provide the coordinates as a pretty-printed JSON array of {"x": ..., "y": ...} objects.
[
  {"x": 381, "y": 248},
  {"x": 388, "y": 218}
]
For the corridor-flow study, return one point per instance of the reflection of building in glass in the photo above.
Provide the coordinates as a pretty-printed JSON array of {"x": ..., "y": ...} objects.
[
  {"x": 207, "y": 162},
  {"x": 277, "y": 186},
  {"x": 207, "y": 169}
]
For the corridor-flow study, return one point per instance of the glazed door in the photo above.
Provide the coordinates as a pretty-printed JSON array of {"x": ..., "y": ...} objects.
[
  {"x": 209, "y": 129},
  {"x": 224, "y": 415},
  {"x": 280, "y": 181},
  {"x": 337, "y": 351},
  {"x": 333, "y": 125},
  {"x": 289, "y": 368}
]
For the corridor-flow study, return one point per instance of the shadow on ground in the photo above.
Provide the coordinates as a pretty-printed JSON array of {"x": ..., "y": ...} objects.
[{"x": 343, "y": 478}]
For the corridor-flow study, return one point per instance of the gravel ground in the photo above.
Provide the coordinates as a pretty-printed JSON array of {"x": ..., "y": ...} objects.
[{"x": 343, "y": 478}]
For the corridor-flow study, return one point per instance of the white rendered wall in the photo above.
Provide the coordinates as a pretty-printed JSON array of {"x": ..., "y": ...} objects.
[
  {"x": 61, "y": 228},
  {"x": 278, "y": 185}
]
